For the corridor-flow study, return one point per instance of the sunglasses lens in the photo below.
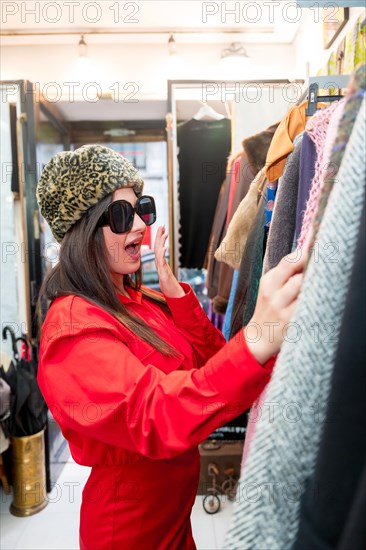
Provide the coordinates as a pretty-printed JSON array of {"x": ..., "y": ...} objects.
[
  {"x": 146, "y": 210},
  {"x": 122, "y": 216}
]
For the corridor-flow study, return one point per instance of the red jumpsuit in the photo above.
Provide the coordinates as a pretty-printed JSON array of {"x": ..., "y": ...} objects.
[{"x": 136, "y": 416}]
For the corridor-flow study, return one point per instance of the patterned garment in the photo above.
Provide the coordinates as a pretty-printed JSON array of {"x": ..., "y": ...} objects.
[
  {"x": 317, "y": 129},
  {"x": 271, "y": 195},
  {"x": 350, "y": 113},
  {"x": 285, "y": 443}
]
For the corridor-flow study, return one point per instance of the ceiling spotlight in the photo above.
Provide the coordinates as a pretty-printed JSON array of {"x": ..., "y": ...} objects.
[
  {"x": 236, "y": 50},
  {"x": 172, "y": 45},
  {"x": 83, "y": 48}
]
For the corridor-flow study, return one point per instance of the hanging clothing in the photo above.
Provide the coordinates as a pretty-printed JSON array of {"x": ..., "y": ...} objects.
[
  {"x": 232, "y": 248},
  {"x": 351, "y": 110},
  {"x": 242, "y": 171},
  {"x": 281, "y": 231},
  {"x": 255, "y": 149},
  {"x": 282, "y": 142},
  {"x": 136, "y": 416},
  {"x": 220, "y": 300},
  {"x": 279, "y": 244},
  {"x": 219, "y": 229},
  {"x": 282, "y": 454},
  {"x": 306, "y": 176},
  {"x": 241, "y": 211},
  {"x": 237, "y": 194},
  {"x": 254, "y": 279},
  {"x": 326, "y": 506},
  {"x": 235, "y": 176},
  {"x": 271, "y": 191},
  {"x": 217, "y": 233},
  {"x": 229, "y": 310},
  {"x": 317, "y": 129},
  {"x": 354, "y": 534},
  {"x": 204, "y": 147},
  {"x": 217, "y": 319},
  {"x": 243, "y": 299},
  {"x": 250, "y": 269}
]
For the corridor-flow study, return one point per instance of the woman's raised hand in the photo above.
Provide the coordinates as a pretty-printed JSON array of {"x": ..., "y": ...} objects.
[
  {"x": 277, "y": 297},
  {"x": 169, "y": 285}
]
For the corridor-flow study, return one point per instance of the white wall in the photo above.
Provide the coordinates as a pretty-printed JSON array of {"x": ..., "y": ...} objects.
[
  {"x": 266, "y": 107},
  {"x": 309, "y": 49},
  {"x": 112, "y": 67}
]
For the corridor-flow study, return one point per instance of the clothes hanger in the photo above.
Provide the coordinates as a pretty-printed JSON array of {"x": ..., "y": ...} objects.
[
  {"x": 227, "y": 110},
  {"x": 207, "y": 111},
  {"x": 337, "y": 82},
  {"x": 314, "y": 98}
]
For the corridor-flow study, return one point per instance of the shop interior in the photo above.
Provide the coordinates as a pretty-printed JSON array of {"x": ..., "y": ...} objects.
[{"x": 138, "y": 77}]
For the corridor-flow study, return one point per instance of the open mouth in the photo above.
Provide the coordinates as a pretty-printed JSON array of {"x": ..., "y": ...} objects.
[{"x": 133, "y": 249}]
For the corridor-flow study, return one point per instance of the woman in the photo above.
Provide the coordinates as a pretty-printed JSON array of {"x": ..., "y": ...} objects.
[{"x": 136, "y": 378}]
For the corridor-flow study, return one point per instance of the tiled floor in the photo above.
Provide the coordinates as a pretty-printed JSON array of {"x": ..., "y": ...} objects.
[{"x": 56, "y": 527}]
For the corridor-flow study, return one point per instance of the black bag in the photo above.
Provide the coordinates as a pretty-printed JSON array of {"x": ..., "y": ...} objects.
[{"x": 28, "y": 409}]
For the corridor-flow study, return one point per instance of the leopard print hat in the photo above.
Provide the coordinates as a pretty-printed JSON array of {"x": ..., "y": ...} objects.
[{"x": 74, "y": 181}]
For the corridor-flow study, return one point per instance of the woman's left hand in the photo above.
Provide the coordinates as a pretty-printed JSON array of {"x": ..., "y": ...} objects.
[{"x": 169, "y": 285}]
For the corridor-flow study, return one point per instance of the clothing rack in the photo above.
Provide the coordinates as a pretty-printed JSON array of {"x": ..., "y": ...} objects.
[
  {"x": 212, "y": 87},
  {"x": 317, "y": 83}
]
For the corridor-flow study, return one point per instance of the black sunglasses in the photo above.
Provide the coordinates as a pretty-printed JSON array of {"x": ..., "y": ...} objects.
[{"x": 119, "y": 214}]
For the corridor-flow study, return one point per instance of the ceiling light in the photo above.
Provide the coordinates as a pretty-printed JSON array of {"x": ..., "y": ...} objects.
[
  {"x": 83, "y": 48},
  {"x": 172, "y": 45},
  {"x": 236, "y": 50}
]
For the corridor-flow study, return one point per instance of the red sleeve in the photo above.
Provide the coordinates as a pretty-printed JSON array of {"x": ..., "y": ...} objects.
[
  {"x": 192, "y": 321},
  {"x": 135, "y": 406}
]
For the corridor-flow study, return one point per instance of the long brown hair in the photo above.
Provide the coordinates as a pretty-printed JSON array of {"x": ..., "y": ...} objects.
[{"x": 82, "y": 271}]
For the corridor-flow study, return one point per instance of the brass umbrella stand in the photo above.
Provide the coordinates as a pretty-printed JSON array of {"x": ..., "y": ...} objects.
[{"x": 25, "y": 428}]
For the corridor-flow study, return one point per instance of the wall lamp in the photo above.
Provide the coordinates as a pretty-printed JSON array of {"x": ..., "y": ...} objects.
[
  {"x": 172, "y": 46},
  {"x": 83, "y": 48}
]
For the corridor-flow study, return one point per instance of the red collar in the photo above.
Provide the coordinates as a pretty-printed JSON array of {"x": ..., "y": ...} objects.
[{"x": 135, "y": 296}]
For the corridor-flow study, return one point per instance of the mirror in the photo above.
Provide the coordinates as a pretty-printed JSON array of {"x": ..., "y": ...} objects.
[{"x": 13, "y": 270}]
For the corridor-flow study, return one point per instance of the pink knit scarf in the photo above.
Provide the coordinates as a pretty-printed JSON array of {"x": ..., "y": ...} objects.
[{"x": 322, "y": 130}]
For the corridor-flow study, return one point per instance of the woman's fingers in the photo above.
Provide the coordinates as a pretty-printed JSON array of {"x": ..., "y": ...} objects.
[
  {"x": 159, "y": 247},
  {"x": 169, "y": 285},
  {"x": 289, "y": 311},
  {"x": 164, "y": 238},
  {"x": 159, "y": 235},
  {"x": 157, "y": 240},
  {"x": 289, "y": 292},
  {"x": 289, "y": 265}
]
